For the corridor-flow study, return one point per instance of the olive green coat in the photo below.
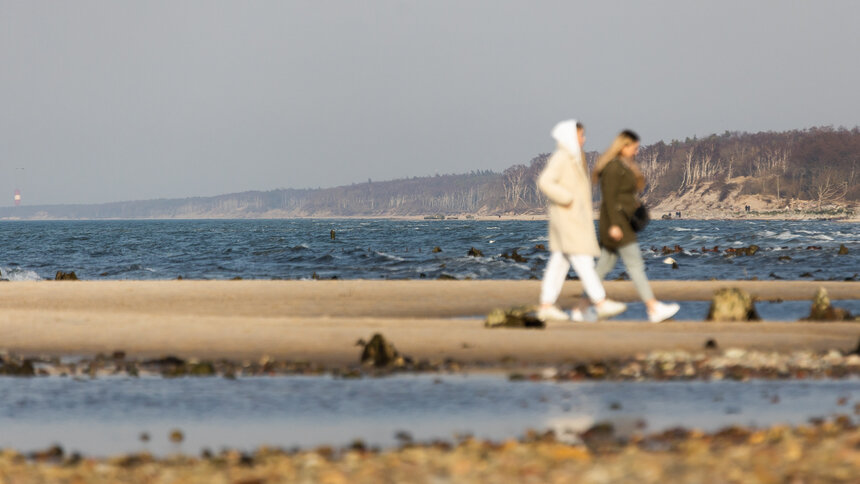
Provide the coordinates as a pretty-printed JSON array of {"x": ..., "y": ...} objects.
[
  {"x": 565, "y": 182},
  {"x": 619, "y": 201}
]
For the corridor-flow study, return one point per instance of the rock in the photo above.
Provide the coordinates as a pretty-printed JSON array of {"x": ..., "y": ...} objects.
[
  {"x": 436, "y": 249},
  {"x": 711, "y": 344},
  {"x": 784, "y": 258},
  {"x": 518, "y": 317},
  {"x": 11, "y": 368},
  {"x": 540, "y": 247},
  {"x": 822, "y": 310},
  {"x": 672, "y": 250},
  {"x": 53, "y": 453},
  {"x": 202, "y": 368},
  {"x": 751, "y": 250},
  {"x": 473, "y": 252},
  {"x": 842, "y": 249},
  {"x": 446, "y": 277},
  {"x": 176, "y": 436},
  {"x": 514, "y": 256},
  {"x": 332, "y": 234},
  {"x": 732, "y": 304},
  {"x": 380, "y": 353},
  {"x": 65, "y": 276},
  {"x": 600, "y": 437}
]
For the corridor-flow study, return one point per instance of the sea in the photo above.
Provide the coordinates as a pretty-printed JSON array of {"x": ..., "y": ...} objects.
[{"x": 408, "y": 249}]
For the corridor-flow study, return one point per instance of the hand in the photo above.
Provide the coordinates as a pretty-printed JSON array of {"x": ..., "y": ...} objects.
[{"x": 615, "y": 233}]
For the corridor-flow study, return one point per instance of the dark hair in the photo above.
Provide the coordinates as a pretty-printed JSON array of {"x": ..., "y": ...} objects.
[
  {"x": 631, "y": 134},
  {"x": 579, "y": 125}
]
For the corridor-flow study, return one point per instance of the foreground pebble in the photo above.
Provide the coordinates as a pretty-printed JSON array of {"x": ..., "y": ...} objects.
[{"x": 825, "y": 451}]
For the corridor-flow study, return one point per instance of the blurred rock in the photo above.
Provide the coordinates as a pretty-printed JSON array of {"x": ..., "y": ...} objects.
[
  {"x": 518, "y": 317},
  {"x": 473, "y": 252},
  {"x": 732, "y": 304},
  {"x": 842, "y": 249},
  {"x": 66, "y": 276},
  {"x": 822, "y": 310},
  {"x": 380, "y": 353}
]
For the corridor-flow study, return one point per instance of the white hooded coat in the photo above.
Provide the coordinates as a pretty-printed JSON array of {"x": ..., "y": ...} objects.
[{"x": 567, "y": 185}]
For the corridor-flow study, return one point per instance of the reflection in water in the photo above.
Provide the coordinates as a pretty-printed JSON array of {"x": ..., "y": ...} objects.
[{"x": 107, "y": 416}]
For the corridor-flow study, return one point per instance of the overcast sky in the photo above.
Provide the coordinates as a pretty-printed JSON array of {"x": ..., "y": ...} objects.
[{"x": 106, "y": 101}]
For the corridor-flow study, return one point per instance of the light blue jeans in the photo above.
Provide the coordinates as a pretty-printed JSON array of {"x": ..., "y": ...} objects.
[{"x": 632, "y": 257}]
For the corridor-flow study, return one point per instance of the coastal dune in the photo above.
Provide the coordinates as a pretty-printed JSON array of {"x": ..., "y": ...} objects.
[{"x": 321, "y": 321}]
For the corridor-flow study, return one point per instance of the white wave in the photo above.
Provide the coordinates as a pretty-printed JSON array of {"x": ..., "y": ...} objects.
[
  {"x": 785, "y": 236},
  {"x": 705, "y": 237},
  {"x": 390, "y": 256},
  {"x": 17, "y": 274},
  {"x": 684, "y": 229}
]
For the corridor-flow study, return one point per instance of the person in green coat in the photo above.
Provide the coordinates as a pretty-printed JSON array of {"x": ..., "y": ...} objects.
[{"x": 620, "y": 181}]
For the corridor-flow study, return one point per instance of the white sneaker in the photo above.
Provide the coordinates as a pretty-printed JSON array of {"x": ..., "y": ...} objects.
[
  {"x": 609, "y": 308},
  {"x": 587, "y": 316},
  {"x": 662, "y": 312},
  {"x": 551, "y": 313}
]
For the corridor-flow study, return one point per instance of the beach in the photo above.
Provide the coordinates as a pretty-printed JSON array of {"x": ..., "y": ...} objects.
[{"x": 321, "y": 321}]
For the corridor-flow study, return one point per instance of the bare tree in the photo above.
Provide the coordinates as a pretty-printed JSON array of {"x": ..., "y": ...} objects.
[{"x": 827, "y": 188}]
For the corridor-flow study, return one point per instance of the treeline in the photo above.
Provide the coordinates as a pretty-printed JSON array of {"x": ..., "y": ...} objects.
[{"x": 817, "y": 164}]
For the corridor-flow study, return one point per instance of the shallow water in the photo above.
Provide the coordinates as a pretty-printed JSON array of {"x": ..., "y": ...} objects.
[
  {"x": 106, "y": 416},
  {"x": 374, "y": 249},
  {"x": 768, "y": 311}
]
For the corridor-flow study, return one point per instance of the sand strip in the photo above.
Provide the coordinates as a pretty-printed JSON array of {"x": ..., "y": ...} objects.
[
  {"x": 355, "y": 298},
  {"x": 321, "y": 321}
]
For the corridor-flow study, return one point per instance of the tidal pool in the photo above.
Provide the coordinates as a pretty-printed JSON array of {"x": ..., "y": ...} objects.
[{"x": 107, "y": 416}]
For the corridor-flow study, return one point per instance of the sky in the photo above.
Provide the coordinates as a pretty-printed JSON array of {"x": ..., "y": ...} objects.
[{"x": 105, "y": 101}]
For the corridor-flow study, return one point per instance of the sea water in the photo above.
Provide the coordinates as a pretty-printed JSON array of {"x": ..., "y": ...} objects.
[{"x": 395, "y": 249}]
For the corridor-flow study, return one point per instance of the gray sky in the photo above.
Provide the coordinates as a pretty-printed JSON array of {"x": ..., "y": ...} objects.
[{"x": 105, "y": 101}]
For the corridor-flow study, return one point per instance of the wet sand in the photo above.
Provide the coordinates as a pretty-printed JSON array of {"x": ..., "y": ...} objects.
[{"x": 321, "y": 321}]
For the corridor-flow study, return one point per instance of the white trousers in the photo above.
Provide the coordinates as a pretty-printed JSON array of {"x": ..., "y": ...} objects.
[{"x": 556, "y": 272}]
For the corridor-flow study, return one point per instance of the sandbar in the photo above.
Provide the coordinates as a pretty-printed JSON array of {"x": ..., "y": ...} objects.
[{"x": 321, "y": 321}]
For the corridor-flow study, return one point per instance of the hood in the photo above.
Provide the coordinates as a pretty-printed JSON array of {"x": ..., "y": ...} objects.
[{"x": 565, "y": 134}]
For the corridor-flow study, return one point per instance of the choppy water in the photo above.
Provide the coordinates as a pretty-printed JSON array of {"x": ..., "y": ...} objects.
[
  {"x": 107, "y": 416},
  {"x": 373, "y": 249}
]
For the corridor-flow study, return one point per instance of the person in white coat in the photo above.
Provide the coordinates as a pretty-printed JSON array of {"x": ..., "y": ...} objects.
[{"x": 572, "y": 241}]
